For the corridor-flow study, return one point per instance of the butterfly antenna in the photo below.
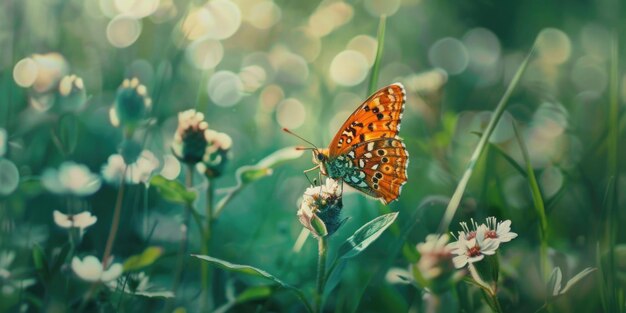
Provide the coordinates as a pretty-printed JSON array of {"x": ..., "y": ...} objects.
[{"x": 314, "y": 147}]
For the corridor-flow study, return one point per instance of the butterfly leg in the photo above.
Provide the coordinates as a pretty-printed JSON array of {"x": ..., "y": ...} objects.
[{"x": 307, "y": 176}]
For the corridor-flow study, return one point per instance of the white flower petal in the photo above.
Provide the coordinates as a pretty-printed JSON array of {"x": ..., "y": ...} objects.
[
  {"x": 61, "y": 219},
  {"x": 112, "y": 272},
  {"x": 84, "y": 220},
  {"x": 460, "y": 261},
  {"x": 89, "y": 269}
]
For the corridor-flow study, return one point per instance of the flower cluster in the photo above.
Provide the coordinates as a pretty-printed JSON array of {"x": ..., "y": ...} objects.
[
  {"x": 195, "y": 144},
  {"x": 320, "y": 208},
  {"x": 481, "y": 240}
]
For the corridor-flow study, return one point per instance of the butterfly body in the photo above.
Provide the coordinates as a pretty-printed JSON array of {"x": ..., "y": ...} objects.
[{"x": 366, "y": 152}]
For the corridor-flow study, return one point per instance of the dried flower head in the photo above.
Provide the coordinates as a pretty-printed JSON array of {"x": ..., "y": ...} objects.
[{"x": 320, "y": 209}]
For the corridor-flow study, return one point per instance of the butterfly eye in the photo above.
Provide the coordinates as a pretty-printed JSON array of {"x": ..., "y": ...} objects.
[{"x": 320, "y": 156}]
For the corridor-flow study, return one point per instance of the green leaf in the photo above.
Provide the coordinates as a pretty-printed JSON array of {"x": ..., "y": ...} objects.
[
  {"x": 41, "y": 264},
  {"x": 155, "y": 294},
  {"x": 455, "y": 200},
  {"x": 279, "y": 157},
  {"x": 366, "y": 235},
  {"x": 30, "y": 186},
  {"x": 253, "y": 271},
  {"x": 254, "y": 293},
  {"x": 145, "y": 259},
  {"x": 554, "y": 283},
  {"x": 574, "y": 280},
  {"x": 249, "y": 173},
  {"x": 172, "y": 190}
]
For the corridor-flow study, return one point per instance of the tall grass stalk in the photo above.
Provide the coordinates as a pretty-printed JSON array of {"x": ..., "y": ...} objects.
[
  {"x": 610, "y": 213},
  {"x": 380, "y": 38},
  {"x": 482, "y": 143},
  {"x": 539, "y": 207},
  {"x": 206, "y": 300}
]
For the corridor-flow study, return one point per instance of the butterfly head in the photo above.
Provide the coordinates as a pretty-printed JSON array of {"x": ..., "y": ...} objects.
[{"x": 320, "y": 157}]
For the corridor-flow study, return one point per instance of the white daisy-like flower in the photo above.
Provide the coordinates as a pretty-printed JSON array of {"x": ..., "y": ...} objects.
[
  {"x": 500, "y": 231},
  {"x": 320, "y": 208},
  {"x": 138, "y": 172},
  {"x": 472, "y": 250},
  {"x": 468, "y": 233},
  {"x": 80, "y": 220},
  {"x": 90, "y": 269},
  {"x": 71, "y": 178},
  {"x": 435, "y": 255}
]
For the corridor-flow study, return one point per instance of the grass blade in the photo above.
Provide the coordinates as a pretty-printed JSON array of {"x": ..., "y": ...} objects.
[
  {"x": 460, "y": 188},
  {"x": 539, "y": 206},
  {"x": 379, "y": 54}
]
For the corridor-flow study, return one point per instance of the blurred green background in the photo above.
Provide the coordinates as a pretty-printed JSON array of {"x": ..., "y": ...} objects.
[{"x": 256, "y": 66}]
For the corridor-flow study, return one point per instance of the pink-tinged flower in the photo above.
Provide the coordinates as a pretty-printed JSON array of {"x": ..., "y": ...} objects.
[
  {"x": 472, "y": 250},
  {"x": 435, "y": 256},
  {"x": 320, "y": 209},
  {"x": 90, "y": 269},
  {"x": 500, "y": 231}
]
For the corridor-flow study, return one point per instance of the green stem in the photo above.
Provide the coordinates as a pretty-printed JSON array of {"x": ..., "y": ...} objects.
[
  {"x": 180, "y": 256},
  {"x": 321, "y": 272},
  {"x": 379, "y": 54},
  {"x": 207, "y": 292},
  {"x": 116, "y": 221}
]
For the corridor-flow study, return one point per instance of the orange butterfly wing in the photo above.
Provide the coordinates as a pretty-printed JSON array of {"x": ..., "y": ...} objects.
[
  {"x": 384, "y": 162},
  {"x": 378, "y": 117}
]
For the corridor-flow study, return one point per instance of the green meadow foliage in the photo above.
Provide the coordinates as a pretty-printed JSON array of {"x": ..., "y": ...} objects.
[{"x": 150, "y": 159}]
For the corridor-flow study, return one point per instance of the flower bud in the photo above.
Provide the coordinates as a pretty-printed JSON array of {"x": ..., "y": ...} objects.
[
  {"x": 217, "y": 155},
  {"x": 191, "y": 139},
  {"x": 72, "y": 91},
  {"x": 132, "y": 104}
]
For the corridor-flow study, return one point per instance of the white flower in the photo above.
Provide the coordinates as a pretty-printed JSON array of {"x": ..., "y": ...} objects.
[
  {"x": 472, "y": 250},
  {"x": 90, "y": 269},
  {"x": 435, "y": 255},
  {"x": 71, "y": 178},
  {"x": 80, "y": 220},
  {"x": 468, "y": 233},
  {"x": 138, "y": 172},
  {"x": 324, "y": 199},
  {"x": 500, "y": 231}
]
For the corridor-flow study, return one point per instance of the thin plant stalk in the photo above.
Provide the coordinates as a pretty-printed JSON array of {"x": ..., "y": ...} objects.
[
  {"x": 116, "y": 221},
  {"x": 539, "y": 206},
  {"x": 379, "y": 54},
  {"x": 207, "y": 286},
  {"x": 321, "y": 272},
  {"x": 180, "y": 256}
]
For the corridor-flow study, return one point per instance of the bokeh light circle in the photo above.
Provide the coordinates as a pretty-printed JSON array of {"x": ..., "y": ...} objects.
[
  {"x": 483, "y": 47},
  {"x": 218, "y": 19},
  {"x": 205, "y": 53},
  {"x": 9, "y": 177},
  {"x": 449, "y": 54},
  {"x": 366, "y": 45},
  {"x": 382, "y": 7},
  {"x": 264, "y": 15},
  {"x": 137, "y": 8},
  {"x": 122, "y": 31},
  {"x": 225, "y": 88},
  {"x": 554, "y": 46},
  {"x": 290, "y": 113},
  {"x": 349, "y": 68},
  {"x": 25, "y": 72}
]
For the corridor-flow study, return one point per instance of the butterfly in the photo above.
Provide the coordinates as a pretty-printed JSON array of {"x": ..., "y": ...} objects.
[{"x": 366, "y": 152}]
